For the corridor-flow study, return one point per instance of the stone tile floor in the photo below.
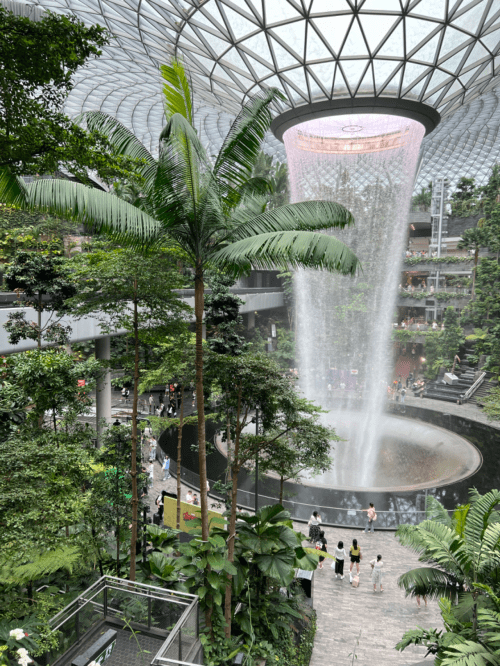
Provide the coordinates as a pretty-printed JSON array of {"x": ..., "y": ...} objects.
[{"x": 357, "y": 626}]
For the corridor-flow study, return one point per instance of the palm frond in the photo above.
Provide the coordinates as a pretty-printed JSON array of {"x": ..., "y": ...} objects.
[
  {"x": 106, "y": 213},
  {"x": 121, "y": 138},
  {"x": 434, "y": 510},
  {"x": 300, "y": 249},
  {"x": 468, "y": 653},
  {"x": 460, "y": 519},
  {"x": 489, "y": 554},
  {"x": 241, "y": 147},
  {"x": 436, "y": 544},
  {"x": 477, "y": 521},
  {"x": 12, "y": 188},
  {"x": 434, "y": 583},
  {"x": 303, "y": 216},
  {"x": 177, "y": 91}
]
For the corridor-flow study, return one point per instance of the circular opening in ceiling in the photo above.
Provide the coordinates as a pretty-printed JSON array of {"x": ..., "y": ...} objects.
[{"x": 352, "y": 128}]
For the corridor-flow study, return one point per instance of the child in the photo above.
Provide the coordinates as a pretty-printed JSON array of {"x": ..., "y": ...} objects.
[{"x": 340, "y": 555}]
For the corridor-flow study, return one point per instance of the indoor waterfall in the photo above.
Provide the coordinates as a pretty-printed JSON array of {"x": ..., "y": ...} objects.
[{"x": 366, "y": 162}]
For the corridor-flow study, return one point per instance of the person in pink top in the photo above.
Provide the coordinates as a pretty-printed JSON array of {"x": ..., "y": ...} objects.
[{"x": 372, "y": 517}]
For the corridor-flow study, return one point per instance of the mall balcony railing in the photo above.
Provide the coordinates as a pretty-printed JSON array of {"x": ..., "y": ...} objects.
[{"x": 170, "y": 617}]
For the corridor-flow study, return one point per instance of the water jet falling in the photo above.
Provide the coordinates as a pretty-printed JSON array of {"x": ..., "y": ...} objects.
[{"x": 366, "y": 162}]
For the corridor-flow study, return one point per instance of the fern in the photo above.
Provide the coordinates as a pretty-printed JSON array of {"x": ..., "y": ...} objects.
[{"x": 42, "y": 564}]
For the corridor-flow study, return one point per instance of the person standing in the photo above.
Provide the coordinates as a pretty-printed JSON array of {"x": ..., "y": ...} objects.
[
  {"x": 355, "y": 555},
  {"x": 377, "y": 566},
  {"x": 321, "y": 545},
  {"x": 340, "y": 556},
  {"x": 151, "y": 401},
  {"x": 189, "y": 497},
  {"x": 314, "y": 526},
  {"x": 195, "y": 500},
  {"x": 371, "y": 518},
  {"x": 166, "y": 468}
]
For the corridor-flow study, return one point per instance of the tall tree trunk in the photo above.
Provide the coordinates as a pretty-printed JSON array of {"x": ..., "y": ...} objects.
[
  {"x": 179, "y": 460},
  {"x": 133, "y": 466},
  {"x": 39, "y": 338},
  {"x": 199, "y": 306},
  {"x": 235, "y": 468},
  {"x": 282, "y": 482},
  {"x": 476, "y": 257}
]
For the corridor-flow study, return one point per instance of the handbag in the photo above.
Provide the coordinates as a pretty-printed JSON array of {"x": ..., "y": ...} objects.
[{"x": 374, "y": 516}]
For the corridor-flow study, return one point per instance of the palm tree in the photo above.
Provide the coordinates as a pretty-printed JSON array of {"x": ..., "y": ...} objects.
[
  {"x": 464, "y": 554},
  {"x": 210, "y": 209},
  {"x": 474, "y": 239}
]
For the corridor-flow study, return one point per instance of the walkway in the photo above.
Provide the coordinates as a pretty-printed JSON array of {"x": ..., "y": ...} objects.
[{"x": 361, "y": 621}]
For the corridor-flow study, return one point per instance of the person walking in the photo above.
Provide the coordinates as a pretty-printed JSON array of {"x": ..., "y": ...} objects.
[
  {"x": 377, "y": 566},
  {"x": 403, "y": 393},
  {"x": 321, "y": 544},
  {"x": 371, "y": 518},
  {"x": 166, "y": 468},
  {"x": 355, "y": 556},
  {"x": 340, "y": 556},
  {"x": 314, "y": 526},
  {"x": 151, "y": 401}
]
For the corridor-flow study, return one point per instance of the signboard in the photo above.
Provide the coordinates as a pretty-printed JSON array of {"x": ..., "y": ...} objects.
[
  {"x": 189, "y": 512},
  {"x": 81, "y": 382},
  {"x": 354, "y": 372},
  {"x": 106, "y": 653}
]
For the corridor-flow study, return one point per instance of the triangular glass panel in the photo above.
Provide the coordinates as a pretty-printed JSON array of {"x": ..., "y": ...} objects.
[
  {"x": 366, "y": 86},
  {"x": 324, "y": 73},
  {"x": 353, "y": 71},
  {"x": 381, "y": 6},
  {"x": 233, "y": 58},
  {"x": 283, "y": 57},
  {"x": 471, "y": 19},
  {"x": 258, "y": 67},
  {"x": 416, "y": 31},
  {"x": 316, "y": 50},
  {"x": 454, "y": 63},
  {"x": 477, "y": 53},
  {"x": 293, "y": 34},
  {"x": 438, "y": 79},
  {"x": 259, "y": 48},
  {"x": 355, "y": 44},
  {"x": 210, "y": 15},
  {"x": 315, "y": 89},
  {"x": 428, "y": 51},
  {"x": 297, "y": 77},
  {"x": 340, "y": 85},
  {"x": 493, "y": 15},
  {"x": 329, "y": 6},
  {"x": 213, "y": 43},
  {"x": 466, "y": 79},
  {"x": 207, "y": 64},
  {"x": 452, "y": 40},
  {"x": 333, "y": 29},
  {"x": 491, "y": 41},
  {"x": 383, "y": 70},
  {"x": 237, "y": 24},
  {"x": 412, "y": 72},
  {"x": 431, "y": 8},
  {"x": 455, "y": 88},
  {"x": 277, "y": 12},
  {"x": 392, "y": 88},
  {"x": 375, "y": 28},
  {"x": 394, "y": 46}
]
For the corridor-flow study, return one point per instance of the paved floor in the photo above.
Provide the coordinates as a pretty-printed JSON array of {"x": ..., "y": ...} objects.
[{"x": 357, "y": 626}]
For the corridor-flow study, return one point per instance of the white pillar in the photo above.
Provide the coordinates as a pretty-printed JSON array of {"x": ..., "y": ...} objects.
[
  {"x": 103, "y": 388},
  {"x": 251, "y": 320}
]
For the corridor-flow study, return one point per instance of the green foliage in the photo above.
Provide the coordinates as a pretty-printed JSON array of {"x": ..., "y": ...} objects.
[
  {"x": 423, "y": 198},
  {"x": 441, "y": 296},
  {"x": 492, "y": 404},
  {"x": 412, "y": 261},
  {"x": 222, "y": 317},
  {"x": 463, "y": 556}
]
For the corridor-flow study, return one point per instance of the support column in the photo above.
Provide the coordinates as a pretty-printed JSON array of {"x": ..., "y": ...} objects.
[
  {"x": 251, "y": 320},
  {"x": 103, "y": 388}
]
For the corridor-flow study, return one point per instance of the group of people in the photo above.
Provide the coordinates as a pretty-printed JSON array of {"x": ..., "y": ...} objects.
[{"x": 317, "y": 536}]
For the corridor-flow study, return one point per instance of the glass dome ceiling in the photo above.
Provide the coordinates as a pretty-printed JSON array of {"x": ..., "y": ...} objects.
[{"x": 444, "y": 53}]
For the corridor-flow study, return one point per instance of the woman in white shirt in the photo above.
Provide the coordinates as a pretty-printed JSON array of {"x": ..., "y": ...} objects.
[
  {"x": 340, "y": 555},
  {"x": 377, "y": 573},
  {"x": 314, "y": 529}
]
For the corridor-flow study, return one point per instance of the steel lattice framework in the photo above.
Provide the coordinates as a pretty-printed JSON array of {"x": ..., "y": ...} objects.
[{"x": 442, "y": 53}]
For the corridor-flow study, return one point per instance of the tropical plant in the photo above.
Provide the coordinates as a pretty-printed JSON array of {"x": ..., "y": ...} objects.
[
  {"x": 207, "y": 208},
  {"x": 474, "y": 239},
  {"x": 464, "y": 553}
]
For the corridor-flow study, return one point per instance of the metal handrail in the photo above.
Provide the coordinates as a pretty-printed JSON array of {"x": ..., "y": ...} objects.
[{"x": 473, "y": 388}]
